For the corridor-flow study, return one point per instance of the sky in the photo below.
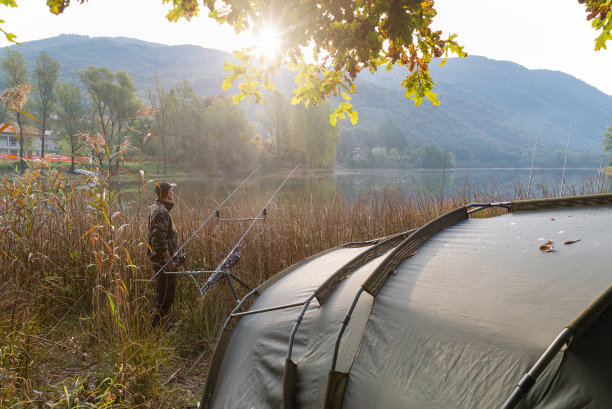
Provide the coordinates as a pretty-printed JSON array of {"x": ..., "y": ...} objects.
[{"x": 538, "y": 34}]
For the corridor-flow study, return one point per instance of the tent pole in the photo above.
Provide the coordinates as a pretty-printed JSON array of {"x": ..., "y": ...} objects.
[
  {"x": 345, "y": 321},
  {"x": 279, "y": 307},
  {"x": 297, "y": 324},
  {"x": 531, "y": 377},
  {"x": 574, "y": 329},
  {"x": 238, "y": 308}
]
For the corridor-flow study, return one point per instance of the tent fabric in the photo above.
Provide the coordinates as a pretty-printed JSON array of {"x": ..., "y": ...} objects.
[
  {"x": 479, "y": 304},
  {"x": 252, "y": 369},
  {"x": 375, "y": 282},
  {"x": 381, "y": 247},
  {"x": 455, "y": 325}
]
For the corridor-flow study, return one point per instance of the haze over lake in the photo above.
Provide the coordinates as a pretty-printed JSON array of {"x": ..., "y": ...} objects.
[{"x": 351, "y": 184}]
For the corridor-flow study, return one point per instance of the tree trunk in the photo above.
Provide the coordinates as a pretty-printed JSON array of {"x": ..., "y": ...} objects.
[
  {"x": 21, "y": 143},
  {"x": 164, "y": 153},
  {"x": 72, "y": 156},
  {"x": 42, "y": 139}
]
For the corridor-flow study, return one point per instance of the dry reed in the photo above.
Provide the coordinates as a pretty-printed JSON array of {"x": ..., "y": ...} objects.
[{"x": 75, "y": 296}]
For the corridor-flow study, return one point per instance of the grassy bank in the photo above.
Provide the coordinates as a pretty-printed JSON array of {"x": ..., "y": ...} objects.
[{"x": 75, "y": 297}]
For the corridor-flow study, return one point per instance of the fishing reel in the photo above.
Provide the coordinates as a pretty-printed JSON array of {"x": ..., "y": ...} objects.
[
  {"x": 232, "y": 259},
  {"x": 180, "y": 259}
]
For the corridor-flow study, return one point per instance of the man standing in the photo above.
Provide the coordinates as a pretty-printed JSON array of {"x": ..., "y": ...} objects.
[{"x": 163, "y": 242}]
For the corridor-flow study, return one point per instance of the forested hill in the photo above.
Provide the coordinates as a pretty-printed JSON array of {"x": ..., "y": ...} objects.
[
  {"x": 141, "y": 59},
  {"x": 490, "y": 111}
]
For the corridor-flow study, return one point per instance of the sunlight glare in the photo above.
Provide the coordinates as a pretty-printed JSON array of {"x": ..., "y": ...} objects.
[{"x": 268, "y": 43}]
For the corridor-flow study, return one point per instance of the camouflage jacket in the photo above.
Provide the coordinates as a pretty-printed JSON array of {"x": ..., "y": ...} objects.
[{"x": 162, "y": 234}]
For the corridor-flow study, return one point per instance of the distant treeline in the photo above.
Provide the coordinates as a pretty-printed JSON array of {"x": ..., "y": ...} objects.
[
  {"x": 385, "y": 144},
  {"x": 102, "y": 117}
]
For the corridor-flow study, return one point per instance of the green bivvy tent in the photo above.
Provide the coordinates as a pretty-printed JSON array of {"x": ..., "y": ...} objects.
[{"x": 462, "y": 313}]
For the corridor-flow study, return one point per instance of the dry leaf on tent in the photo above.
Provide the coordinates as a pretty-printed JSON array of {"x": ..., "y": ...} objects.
[
  {"x": 572, "y": 241},
  {"x": 548, "y": 246}
]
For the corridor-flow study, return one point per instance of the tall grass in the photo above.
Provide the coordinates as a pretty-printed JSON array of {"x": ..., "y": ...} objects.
[{"x": 75, "y": 296}]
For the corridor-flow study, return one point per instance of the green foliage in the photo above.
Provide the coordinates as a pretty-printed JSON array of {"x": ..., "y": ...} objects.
[
  {"x": 275, "y": 119},
  {"x": 182, "y": 9},
  {"x": 344, "y": 109},
  {"x": 44, "y": 78},
  {"x": 347, "y": 38},
  {"x": 203, "y": 135},
  {"x": 312, "y": 140},
  {"x": 230, "y": 142},
  {"x": 13, "y": 65},
  {"x": 253, "y": 80},
  {"x": 432, "y": 157},
  {"x": 58, "y": 6},
  {"x": 425, "y": 157},
  {"x": 14, "y": 68},
  {"x": 297, "y": 134},
  {"x": 600, "y": 12},
  {"x": 114, "y": 105},
  {"x": 70, "y": 116},
  {"x": 607, "y": 141},
  {"x": 379, "y": 157},
  {"x": 391, "y": 135},
  {"x": 9, "y": 36}
]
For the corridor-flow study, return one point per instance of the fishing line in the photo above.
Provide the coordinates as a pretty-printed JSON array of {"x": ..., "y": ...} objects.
[{"x": 203, "y": 224}]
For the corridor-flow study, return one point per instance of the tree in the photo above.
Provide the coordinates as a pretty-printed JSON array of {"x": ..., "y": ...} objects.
[
  {"x": 312, "y": 138},
  {"x": 607, "y": 142},
  {"x": 166, "y": 105},
  {"x": 432, "y": 157},
  {"x": 229, "y": 137},
  {"x": 70, "y": 116},
  {"x": 13, "y": 64},
  {"x": 600, "y": 12},
  {"x": 379, "y": 157},
  {"x": 188, "y": 128},
  {"x": 391, "y": 135},
  {"x": 44, "y": 78},
  {"x": 115, "y": 104},
  {"x": 345, "y": 37},
  {"x": 275, "y": 120},
  {"x": 348, "y": 37}
]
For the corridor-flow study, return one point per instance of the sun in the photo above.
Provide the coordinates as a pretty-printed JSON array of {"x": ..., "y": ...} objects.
[{"x": 268, "y": 42}]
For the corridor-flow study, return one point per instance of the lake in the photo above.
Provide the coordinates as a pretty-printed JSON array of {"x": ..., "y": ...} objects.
[{"x": 350, "y": 184}]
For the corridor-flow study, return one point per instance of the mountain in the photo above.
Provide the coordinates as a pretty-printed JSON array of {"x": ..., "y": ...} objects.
[
  {"x": 141, "y": 59},
  {"x": 490, "y": 112}
]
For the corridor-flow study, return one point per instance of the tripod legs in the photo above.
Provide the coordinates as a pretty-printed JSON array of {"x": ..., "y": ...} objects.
[{"x": 230, "y": 277}]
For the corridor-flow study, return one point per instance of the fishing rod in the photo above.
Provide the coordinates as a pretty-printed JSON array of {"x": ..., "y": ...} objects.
[
  {"x": 215, "y": 212},
  {"x": 233, "y": 257}
]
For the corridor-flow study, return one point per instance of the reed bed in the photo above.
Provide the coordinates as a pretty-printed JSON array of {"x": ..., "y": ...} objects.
[{"x": 75, "y": 296}]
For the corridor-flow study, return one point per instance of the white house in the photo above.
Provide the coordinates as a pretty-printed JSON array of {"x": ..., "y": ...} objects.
[{"x": 9, "y": 140}]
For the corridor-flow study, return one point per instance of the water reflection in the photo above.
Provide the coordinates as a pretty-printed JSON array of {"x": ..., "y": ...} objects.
[
  {"x": 324, "y": 187},
  {"x": 507, "y": 181}
]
